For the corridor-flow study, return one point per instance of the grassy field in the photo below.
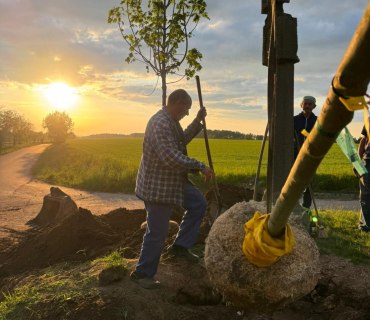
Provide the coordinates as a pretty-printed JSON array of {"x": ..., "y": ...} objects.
[
  {"x": 344, "y": 239},
  {"x": 111, "y": 164}
]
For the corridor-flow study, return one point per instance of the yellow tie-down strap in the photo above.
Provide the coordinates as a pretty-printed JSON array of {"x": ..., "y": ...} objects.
[
  {"x": 305, "y": 133},
  {"x": 354, "y": 103},
  {"x": 259, "y": 247}
]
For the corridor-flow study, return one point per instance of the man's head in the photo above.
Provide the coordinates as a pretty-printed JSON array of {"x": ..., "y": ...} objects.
[
  {"x": 178, "y": 104},
  {"x": 308, "y": 104}
]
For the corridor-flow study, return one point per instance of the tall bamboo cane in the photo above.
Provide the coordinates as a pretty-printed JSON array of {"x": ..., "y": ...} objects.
[{"x": 351, "y": 80}]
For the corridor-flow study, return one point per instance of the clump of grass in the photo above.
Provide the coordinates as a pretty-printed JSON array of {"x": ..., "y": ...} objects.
[
  {"x": 13, "y": 304},
  {"x": 114, "y": 268},
  {"x": 50, "y": 290},
  {"x": 344, "y": 238},
  {"x": 114, "y": 259}
]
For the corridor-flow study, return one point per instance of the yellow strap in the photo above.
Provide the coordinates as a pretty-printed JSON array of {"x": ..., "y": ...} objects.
[
  {"x": 358, "y": 103},
  {"x": 366, "y": 122},
  {"x": 305, "y": 133},
  {"x": 354, "y": 103},
  {"x": 259, "y": 247}
]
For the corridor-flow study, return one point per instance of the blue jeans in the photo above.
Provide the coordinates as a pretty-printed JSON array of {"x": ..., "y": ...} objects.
[
  {"x": 365, "y": 198},
  {"x": 158, "y": 217}
]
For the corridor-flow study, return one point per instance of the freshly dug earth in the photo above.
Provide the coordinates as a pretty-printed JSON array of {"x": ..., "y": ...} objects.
[{"x": 342, "y": 291}]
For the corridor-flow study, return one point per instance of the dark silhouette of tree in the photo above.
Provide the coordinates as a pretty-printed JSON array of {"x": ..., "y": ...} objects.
[
  {"x": 59, "y": 126},
  {"x": 162, "y": 30},
  {"x": 14, "y": 128},
  {"x": 233, "y": 135}
]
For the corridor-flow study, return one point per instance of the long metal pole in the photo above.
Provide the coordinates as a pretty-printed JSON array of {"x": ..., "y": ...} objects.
[{"x": 351, "y": 80}]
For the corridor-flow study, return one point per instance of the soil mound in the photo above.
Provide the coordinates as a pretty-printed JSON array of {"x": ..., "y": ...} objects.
[{"x": 61, "y": 233}]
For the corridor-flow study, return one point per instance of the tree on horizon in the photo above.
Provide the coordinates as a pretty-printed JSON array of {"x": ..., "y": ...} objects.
[
  {"x": 164, "y": 27},
  {"x": 59, "y": 126}
]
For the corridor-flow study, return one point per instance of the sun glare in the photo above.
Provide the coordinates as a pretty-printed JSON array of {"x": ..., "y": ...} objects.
[{"x": 61, "y": 96}]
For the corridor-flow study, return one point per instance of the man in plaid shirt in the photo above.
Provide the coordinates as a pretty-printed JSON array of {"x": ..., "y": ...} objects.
[{"x": 163, "y": 184}]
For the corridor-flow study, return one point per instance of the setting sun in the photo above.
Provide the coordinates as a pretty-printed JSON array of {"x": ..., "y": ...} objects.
[{"x": 60, "y": 95}]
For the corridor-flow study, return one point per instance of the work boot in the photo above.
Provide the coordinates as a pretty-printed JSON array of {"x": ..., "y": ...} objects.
[
  {"x": 364, "y": 228},
  {"x": 143, "y": 281},
  {"x": 176, "y": 251}
]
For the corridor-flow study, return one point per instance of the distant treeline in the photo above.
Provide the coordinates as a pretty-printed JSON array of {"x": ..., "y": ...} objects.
[
  {"x": 114, "y": 136},
  {"x": 212, "y": 134},
  {"x": 232, "y": 135},
  {"x": 15, "y": 130}
]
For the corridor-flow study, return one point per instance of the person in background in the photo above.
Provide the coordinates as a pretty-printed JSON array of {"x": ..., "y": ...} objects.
[
  {"x": 162, "y": 183},
  {"x": 304, "y": 121},
  {"x": 364, "y": 152}
]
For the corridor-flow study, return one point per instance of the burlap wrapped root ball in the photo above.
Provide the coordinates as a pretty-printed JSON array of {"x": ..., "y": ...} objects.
[{"x": 259, "y": 288}]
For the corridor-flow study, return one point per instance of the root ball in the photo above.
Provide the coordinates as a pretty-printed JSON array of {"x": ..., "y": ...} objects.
[{"x": 251, "y": 287}]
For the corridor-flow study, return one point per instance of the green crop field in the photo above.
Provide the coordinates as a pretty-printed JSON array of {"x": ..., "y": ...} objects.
[{"x": 111, "y": 164}]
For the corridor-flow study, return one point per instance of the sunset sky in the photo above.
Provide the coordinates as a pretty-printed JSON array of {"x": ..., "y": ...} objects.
[{"x": 63, "y": 55}]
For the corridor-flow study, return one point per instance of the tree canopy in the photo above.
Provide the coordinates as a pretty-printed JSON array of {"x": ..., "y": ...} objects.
[
  {"x": 163, "y": 27},
  {"x": 14, "y": 128},
  {"x": 59, "y": 126}
]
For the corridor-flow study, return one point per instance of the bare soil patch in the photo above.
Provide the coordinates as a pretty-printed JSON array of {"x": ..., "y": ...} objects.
[{"x": 343, "y": 290}]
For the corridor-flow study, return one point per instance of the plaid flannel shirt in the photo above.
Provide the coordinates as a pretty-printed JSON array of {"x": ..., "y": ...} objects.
[{"x": 164, "y": 163}]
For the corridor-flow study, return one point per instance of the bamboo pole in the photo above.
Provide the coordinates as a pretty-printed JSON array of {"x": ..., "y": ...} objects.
[{"x": 351, "y": 80}]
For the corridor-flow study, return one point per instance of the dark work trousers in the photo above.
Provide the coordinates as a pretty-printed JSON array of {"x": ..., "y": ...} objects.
[
  {"x": 158, "y": 217},
  {"x": 364, "y": 222},
  {"x": 307, "y": 200}
]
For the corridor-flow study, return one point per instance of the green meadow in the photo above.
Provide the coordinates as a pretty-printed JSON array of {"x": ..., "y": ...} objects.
[{"x": 111, "y": 165}]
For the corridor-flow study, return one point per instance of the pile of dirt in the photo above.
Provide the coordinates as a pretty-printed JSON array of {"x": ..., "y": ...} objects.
[
  {"x": 63, "y": 232},
  {"x": 60, "y": 233}
]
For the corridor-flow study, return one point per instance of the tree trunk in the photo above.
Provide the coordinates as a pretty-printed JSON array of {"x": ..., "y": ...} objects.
[
  {"x": 163, "y": 63},
  {"x": 164, "y": 88}
]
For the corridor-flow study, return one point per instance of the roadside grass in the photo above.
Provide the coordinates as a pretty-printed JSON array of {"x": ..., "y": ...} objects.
[
  {"x": 91, "y": 166},
  {"x": 343, "y": 237},
  {"x": 56, "y": 290},
  {"x": 51, "y": 290},
  {"x": 5, "y": 150},
  {"x": 111, "y": 165}
]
